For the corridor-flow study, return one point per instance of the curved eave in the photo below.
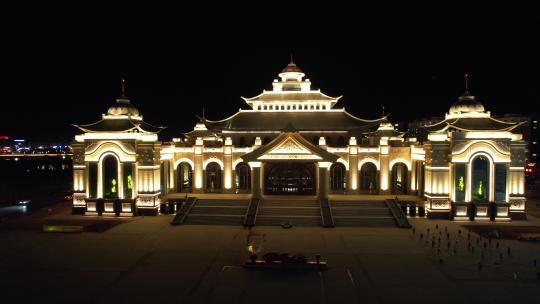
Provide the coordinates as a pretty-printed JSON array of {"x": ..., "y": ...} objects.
[
  {"x": 366, "y": 120},
  {"x": 220, "y": 121},
  {"x": 504, "y": 126},
  {"x": 327, "y": 98},
  {"x": 508, "y": 129},
  {"x": 141, "y": 126}
]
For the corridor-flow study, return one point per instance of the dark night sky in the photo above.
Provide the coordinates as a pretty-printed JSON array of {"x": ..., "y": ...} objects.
[{"x": 62, "y": 64}]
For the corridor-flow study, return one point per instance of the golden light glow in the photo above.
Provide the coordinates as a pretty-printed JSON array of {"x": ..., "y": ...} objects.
[
  {"x": 368, "y": 160},
  {"x": 124, "y": 155}
]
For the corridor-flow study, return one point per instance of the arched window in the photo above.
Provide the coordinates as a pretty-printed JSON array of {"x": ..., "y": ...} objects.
[
  {"x": 184, "y": 178},
  {"x": 368, "y": 178},
  {"x": 213, "y": 177},
  {"x": 400, "y": 179},
  {"x": 480, "y": 179},
  {"x": 110, "y": 177},
  {"x": 337, "y": 177},
  {"x": 242, "y": 180}
]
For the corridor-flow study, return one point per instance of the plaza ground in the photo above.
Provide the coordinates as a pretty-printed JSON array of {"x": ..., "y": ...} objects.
[{"x": 146, "y": 260}]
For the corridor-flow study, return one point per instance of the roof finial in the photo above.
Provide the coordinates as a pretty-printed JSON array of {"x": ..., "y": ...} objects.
[
  {"x": 383, "y": 111},
  {"x": 123, "y": 88},
  {"x": 292, "y": 59},
  {"x": 203, "y": 113},
  {"x": 467, "y": 75}
]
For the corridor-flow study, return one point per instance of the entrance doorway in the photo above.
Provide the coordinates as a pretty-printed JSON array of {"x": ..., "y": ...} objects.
[{"x": 289, "y": 179}]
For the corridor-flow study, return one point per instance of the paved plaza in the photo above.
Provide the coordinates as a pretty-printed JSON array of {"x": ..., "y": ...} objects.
[{"x": 146, "y": 260}]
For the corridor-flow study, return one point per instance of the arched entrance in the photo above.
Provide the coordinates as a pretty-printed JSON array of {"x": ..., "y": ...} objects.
[
  {"x": 110, "y": 177},
  {"x": 368, "y": 178},
  {"x": 480, "y": 179},
  {"x": 213, "y": 178},
  {"x": 242, "y": 179},
  {"x": 289, "y": 178},
  {"x": 184, "y": 180},
  {"x": 400, "y": 179},
  {"x": 337, "y": 178}
]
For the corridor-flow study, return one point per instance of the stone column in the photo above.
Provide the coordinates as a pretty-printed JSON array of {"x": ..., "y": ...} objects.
[
  {"x": 352, "y": 178},
  {"x": 198, "y": 164},
  {"x": 323, "y": 179},
  {"x": 227, "y": 166},
  {"x": 414, "y": 180},
  {"x": 256, "y": 185},
  {"x": 384, "y": 171}
]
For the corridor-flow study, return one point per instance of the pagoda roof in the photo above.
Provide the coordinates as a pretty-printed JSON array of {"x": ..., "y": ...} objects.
[
  {"x": 120, "y": 125},
  {"x": 199, "y": 133},
  {"x": 290, "y": 146},
  {"x": 291, "y": 96},
  {"x": 472, "y": 124},
  {"x": 300, "y": 120}
]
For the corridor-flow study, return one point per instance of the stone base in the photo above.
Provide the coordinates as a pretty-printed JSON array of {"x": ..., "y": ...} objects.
[
  {"x": 147, "y": 211},
  {"x": 501, "y": 212},
  {"x": 461, "y": 211},
  {"x": 78, "y": 210},
  {"x": 438, "y": 215},
  {"x": 518, "y": 215},
  {"x": 481, "y": 211}
]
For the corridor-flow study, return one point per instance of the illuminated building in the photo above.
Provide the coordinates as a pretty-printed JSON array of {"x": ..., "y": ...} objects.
[
  {"x": 294, "y": 140},
  {"x": 474, "y": 165},
  {"x": 116, "y": 164}
]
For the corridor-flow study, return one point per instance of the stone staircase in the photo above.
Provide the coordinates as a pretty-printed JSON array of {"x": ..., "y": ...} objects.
[
  {"x": 361, "y": 214},
  {"x": 299, "y": 212},
  {"x": 217, "y": 212}
]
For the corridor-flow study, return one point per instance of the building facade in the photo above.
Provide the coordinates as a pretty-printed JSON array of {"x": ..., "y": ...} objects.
[{"x": 295, "y": 140}]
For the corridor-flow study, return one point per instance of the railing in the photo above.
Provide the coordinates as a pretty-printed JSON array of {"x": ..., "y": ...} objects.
[
  {"x": 397, "y": 213},
  {"x": 326, "y": 213},
  {"x": 183, "y": 211},
  {"x": 251, "y": 213}
]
